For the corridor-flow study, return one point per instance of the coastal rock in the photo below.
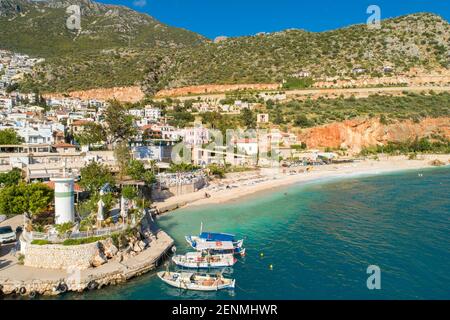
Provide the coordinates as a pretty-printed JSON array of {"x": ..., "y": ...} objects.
[
  {"x": 99, "y": 259},
  {"x": 109, "y": 249},
  {"x": 118, "y": 257},
  {"x": 437, "y": 163},
  {"x": 142, "y": 245},
  {"x": 137, "y": 247},
  {"x": 148, "y": 234}
]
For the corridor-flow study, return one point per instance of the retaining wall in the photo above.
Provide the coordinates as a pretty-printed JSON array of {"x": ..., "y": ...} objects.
[{"x": 58, "y": 256}]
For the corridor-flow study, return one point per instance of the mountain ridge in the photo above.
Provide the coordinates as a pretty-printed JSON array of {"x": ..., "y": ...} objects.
[
  {"x": 118, "y": 46},
  {"x": 40, "y": 24}
]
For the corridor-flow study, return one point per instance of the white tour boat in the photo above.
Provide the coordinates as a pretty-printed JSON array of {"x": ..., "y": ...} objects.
[
  {"x": 217, "y": 247},
  {"x": 196, "y": 281},
  {"x": 202, "y": 260}
]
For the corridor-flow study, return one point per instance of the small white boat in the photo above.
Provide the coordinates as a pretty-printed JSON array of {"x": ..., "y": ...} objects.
[
  {"x": 214, "y": 237},
  {"x": 196, "y": 281},
  {"x": 216, "y": 247},
  {"x": 195, "y": 239},
  {"x": 201, "y": 260}
]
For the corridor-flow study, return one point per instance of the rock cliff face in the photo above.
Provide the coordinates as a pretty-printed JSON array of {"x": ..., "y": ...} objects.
[
  {"x": 356, "y": 134},
  {"x": 123, "y": 94}
]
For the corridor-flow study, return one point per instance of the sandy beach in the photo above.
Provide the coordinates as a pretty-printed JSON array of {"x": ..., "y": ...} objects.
[{"x": 238, "y": 185}]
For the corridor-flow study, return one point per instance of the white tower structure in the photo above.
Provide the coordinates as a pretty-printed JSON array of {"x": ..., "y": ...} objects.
[{"x": 64, "y": 200}]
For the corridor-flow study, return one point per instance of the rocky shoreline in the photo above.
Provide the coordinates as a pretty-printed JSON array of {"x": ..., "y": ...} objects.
[{"x": 121, "y": 266}]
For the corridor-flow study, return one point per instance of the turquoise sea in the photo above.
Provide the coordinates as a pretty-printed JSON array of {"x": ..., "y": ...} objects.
[{"x": 320, "y": 239}]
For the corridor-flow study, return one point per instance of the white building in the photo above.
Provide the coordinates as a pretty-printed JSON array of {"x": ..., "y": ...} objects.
[
  {"x": 36, "y": 135},
  {"x": 195, "y": 136},
  {"x": 6, "y": 104},
  {"x": 247, "y": 146},
  {"x": 139, "y": 113},
  {"x": 152, "y": 113}
]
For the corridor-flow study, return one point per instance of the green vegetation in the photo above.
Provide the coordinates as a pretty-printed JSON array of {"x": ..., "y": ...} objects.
[
  {"x": 77, "y": 242},
  {"x": 12, "y": 87},
  {"x": 70, "y": 242},
  {"x": 92, "y": 133},
  {"x": 21, "y": 259},
  {"x": 40, "y": 242},
  {"x": 88, "y": 208},
  {"x": 10, "y": 137},
  {"x": 298, "y": 83},
  {"x": 94, "y": 176},
  {"x": 64, "y": 228},
  {"x": 298, "y": 147},
  {"x": 119, "y": 122},
  {"x": 156, "y": 56},
  {"x": 248, "y": 117},
  {"x": 434, "y": 144},
  {"x": 218, "y": 121},
  {"x": 182, "y": 167},
  {"x": 129, "y": 192},
  {"x": 137, "y": 171},
  {"x": 10, "y": 178},
  {"x": 104, "y": 54},
  {"x": 217, "y": 171},
  {"x": 123, "y": 157},
  {"x": 410, "y": 106},
  {"x": 180, "y": 117},
  {"x": 29, "y": 199}
]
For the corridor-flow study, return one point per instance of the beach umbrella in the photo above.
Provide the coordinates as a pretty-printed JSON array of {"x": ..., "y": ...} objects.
[
  {"x": 123, "y": 209},
  {"x": 101, "y": 205}
]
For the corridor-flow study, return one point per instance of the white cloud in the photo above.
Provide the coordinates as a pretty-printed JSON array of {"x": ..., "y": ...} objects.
[{"x": 139, "y": 3}]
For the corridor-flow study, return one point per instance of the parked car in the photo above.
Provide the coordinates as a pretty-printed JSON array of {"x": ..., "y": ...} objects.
[{"x": 7, "y": 234}]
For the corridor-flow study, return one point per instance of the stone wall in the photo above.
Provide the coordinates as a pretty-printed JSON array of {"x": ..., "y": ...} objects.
[
  {"x": 59, "y": 256},
  {"x": 159, "y": 194}
]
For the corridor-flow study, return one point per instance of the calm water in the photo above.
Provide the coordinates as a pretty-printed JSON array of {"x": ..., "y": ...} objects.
[{"x": 320, "y": 239}]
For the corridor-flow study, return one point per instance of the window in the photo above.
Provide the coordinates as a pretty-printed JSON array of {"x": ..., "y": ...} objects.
[{"x": 5, "y": 230}]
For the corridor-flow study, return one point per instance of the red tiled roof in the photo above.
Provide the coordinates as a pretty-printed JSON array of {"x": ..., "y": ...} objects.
[
  {"x": 80, "y": 122},
  {"x": 246, "y": 140},
  {"x": 146, "y": 127},
  {"x": 63, "y": 145},
  {"x": 150, "y": 127}
]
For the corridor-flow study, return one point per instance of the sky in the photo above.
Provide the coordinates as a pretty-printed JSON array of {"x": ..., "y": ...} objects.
[{"x": 213, "y": 18}]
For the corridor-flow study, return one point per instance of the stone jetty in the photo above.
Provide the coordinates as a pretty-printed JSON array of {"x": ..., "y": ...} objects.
[{"x": 16, "y": 278}]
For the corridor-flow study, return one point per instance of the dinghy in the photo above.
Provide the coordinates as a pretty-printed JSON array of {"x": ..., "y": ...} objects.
[
  {"x": 203, "y": 260},
  {"x": 196, "y": 281}
]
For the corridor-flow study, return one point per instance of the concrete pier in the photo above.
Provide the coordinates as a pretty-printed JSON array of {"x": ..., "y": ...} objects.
[{"x": 16, "y": 278}]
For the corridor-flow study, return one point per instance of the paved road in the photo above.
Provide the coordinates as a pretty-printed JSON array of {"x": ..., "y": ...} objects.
[
  {"x": 14, "y": 222},
  {"x": 326, "y": 91},
  {"x": 7, "y": 259}
]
